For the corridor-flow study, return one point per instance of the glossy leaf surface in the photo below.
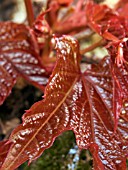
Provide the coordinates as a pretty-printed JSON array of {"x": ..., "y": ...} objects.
[
  {"x": 119, "y": 61},
  {"x": 76, "y": 101},
  {"x": 114, "y": 27},
  {"x": 101, "y": 120},
  {"x": 19, "y": 56},
  {"x": 106, "y": 22},
  {"x": 41, "y": 28},
  {"x": 4, "y": 147}
]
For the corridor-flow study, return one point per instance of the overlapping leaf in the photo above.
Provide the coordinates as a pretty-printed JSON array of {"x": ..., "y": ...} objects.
[
  {"x": 66, "y": 23},
  {"x": 4, "y": 147},
  {"x": 18, "y": 56},
  {"x": 50, "y": 117},
  {"x": 106, "y": 22},
  {"x": 72, "y": 101},
  {"x": 41, "y": 28},
  {"x": 119, "y": 61},
  {"x": 98, "y": 88},
  {"x": 113, "y": 27}
]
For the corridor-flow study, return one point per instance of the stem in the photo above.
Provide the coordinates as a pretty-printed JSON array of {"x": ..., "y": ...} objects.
[
  {"x": 84, "y": 35},
  {"x": 93, "y": 46},
  {"x": 30, "y": 13}
]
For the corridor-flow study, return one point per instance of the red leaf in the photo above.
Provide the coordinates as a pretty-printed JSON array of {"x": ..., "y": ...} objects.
[
  {"x": 99, "y": 92},
  {"x": 113, "y": 27},
  {"x": 72, "y": 101},
  {"x": 8, "y": 77},
  {"x": 67, "y": 23},
  {"x": 106, "y": 22},
  {"x": 54, "y": 7},
  {"x": 119, "y": 56},
  {"x": 18, "y": 56},
  {"x": 122, "y": 8},
  {"x": 124, "y": 11},
  {"x": 4, "y": 148},
  {"x": 64, "y": 2},
  {"x": 41, "y": 28},
  {"x": 123, "y": 122}
]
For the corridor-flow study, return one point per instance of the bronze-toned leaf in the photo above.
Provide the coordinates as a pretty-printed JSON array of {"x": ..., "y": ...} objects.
[{"x": 76, "y": 101}]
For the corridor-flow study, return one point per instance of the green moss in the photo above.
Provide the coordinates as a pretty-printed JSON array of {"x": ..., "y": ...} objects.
[
  {"x": 60, "y": 157},
  {"x": 85, "y": 161},
  {"x": 54, "y": 158}
]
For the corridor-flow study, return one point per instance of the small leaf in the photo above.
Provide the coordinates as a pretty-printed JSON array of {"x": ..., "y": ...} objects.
[
  {"x": 19, "y": 57},
  {"x": 41, "y": 28},
  {"x": 67, "y": 24},
  {"x": 106, "y": 22},
  {"x": 119, "y": 61},
  {"x": 43, "y": 32}
]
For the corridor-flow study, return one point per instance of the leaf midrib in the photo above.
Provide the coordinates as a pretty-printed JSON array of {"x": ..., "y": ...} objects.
[{"x": 54, "y": 111}]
